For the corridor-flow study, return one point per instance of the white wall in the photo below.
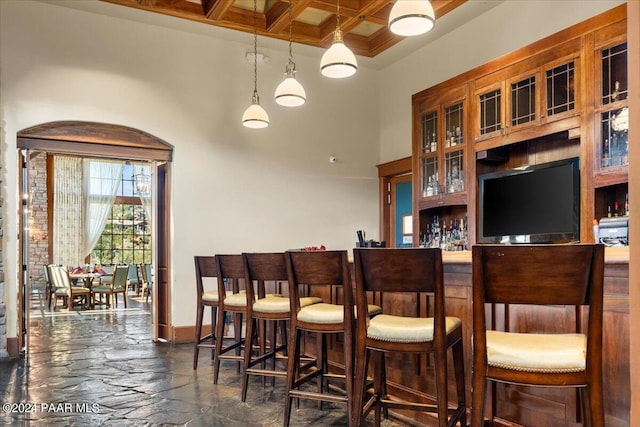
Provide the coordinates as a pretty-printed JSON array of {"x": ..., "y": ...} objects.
[
  {"x": 503, "y": 29},
  {"x": 234, "y": 188}
]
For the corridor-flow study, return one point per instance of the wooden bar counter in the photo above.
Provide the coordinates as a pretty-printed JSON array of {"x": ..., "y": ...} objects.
[{"x": 517, "y": 405}]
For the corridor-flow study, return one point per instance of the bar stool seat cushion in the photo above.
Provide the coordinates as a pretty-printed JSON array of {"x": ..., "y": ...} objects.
[
  {"x": 280, "y": 304},
  {"x": 385, "y": 327},
  {"x": 236, "y": 300},
  {"x": 329, "y": 313},
  {"x": 210, "y": 296},
  {"x": 548, "y": 353}
]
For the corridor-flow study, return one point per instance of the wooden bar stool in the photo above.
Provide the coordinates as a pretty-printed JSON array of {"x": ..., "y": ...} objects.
[
  {"x": 205, "y": 269},
  {"x": 233, "y": 301},
  {"x": 512, "y": 348},
  {"x": 263, "y": 307},
  {"x": 325, "y": 274},
  {"x": 388, "y": 273}
]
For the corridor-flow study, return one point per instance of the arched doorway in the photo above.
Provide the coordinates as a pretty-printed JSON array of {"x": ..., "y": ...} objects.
[{"x": 90, "y": 139}]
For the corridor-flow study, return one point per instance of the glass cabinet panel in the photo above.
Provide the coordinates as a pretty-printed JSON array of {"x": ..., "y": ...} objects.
[
  {"x": 560, "y": 89},
  {"x": 615, "y": 138},
  {"x": 614, "y": 74},
  {"x": 429, "y": 176},
  {"x": 453, "y": 125},
  {"x": 614, "y": 112},
  {"x": 430, "y": 132},
  {"x": 523, "y": 101},
  {"x": 490, "y": 111},
  {"x": 454, "y": 173}
]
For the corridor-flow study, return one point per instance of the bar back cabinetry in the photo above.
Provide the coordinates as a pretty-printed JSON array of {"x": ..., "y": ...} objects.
[{"x": 562, "y": 97}]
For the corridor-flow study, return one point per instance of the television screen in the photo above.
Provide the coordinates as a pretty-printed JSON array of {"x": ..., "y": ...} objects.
[{"x": 534, "y": 204}]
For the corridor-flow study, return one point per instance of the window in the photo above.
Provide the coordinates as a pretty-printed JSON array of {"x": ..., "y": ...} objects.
[{"x": 126, "y": 238}]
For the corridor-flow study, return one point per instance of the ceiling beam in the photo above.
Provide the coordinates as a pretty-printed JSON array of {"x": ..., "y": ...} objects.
[
  {"x": 277, "y": 16},
  {"x": 216, "y": 9}
]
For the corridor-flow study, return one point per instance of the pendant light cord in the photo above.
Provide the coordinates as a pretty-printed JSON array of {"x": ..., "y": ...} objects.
[
  {"x": 291, "y": 64},
  {"x": 338, "y": 16},
  {"x": 255, "y": 51}
]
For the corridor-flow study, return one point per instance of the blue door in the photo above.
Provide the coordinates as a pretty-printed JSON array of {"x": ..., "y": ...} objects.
[{"x": 403, "y": 220}]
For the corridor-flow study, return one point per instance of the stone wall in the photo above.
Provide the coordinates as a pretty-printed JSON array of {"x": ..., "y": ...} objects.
[{"x": 39, "y": 240}]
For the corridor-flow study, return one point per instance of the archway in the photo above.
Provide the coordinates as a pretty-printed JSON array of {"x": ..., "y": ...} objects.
[{"x": 91, "y": 139}]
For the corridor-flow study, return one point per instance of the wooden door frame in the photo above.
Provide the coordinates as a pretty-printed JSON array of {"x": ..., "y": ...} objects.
[
  {"x": 92, "y": 139},
  {"x": 386, "y": 173}
]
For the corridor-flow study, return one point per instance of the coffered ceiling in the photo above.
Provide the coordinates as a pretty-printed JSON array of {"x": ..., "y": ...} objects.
[{"x": 363, "y": 22}]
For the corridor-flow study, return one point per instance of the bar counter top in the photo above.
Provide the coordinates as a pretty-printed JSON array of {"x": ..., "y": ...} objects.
[{"x": 612, "y": 254}]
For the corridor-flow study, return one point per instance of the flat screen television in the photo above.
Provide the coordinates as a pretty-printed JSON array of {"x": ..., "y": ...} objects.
[{"x": 533, "y": 204}]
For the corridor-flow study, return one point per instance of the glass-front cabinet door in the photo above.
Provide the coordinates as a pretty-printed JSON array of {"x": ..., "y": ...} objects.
[
  {"x": 441, "y": 142},
  {"x": 490, "y": 111},
  {"x": 523, "y": 101},
  {"x": 560, "y": 89},
  {"x": 613, "y": 143},
  {"x": 453, "y": 151},
  {"x": 429, "y": 157}
]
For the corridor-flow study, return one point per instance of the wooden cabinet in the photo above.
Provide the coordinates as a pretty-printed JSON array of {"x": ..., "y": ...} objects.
[
  {"x": 611, "y": 122},
  {"x": 536, "y": 96},
  {"x": 441, "y": 167},
  {"x": 562, "y": 97}
]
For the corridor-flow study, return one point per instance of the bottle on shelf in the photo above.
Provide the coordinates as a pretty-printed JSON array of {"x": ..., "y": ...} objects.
[{"x": 626, "y": 204}]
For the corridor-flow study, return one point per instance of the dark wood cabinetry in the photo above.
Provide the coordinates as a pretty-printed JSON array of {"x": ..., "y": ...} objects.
[{"x": 564, "y": 96}]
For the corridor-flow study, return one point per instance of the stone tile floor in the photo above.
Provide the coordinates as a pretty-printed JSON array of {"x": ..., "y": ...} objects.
[{"x": 101, "y": 367}]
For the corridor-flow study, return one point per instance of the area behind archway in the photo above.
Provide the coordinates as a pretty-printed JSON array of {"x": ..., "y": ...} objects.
[{"x": 112, "y": 141}]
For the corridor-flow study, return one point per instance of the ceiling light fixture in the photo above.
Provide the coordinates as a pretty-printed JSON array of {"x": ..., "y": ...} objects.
[
  {"x": 411, "y": 17},
  {"x": 255, "y": 116},
  {"x": 290, "y": 92},
  {"x": 338, "y": 61}
]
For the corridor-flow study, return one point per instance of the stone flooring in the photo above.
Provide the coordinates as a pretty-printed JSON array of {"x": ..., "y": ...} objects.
[{"x": 101, "y": 367}]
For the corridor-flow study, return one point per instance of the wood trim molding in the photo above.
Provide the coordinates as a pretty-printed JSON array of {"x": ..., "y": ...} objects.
[
  {"x": 633, "y": 40},
  {"x": 96, "y": 139},
  {"x": 395, "y": 167}
]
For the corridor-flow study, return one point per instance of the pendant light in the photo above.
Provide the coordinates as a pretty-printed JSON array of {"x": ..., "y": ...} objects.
[
  {"x": 338, "y": 61},
  {"x": 255, "y": 116},
  {"x": 290, "y": 92},
  {"x": 411, "y": 17}
]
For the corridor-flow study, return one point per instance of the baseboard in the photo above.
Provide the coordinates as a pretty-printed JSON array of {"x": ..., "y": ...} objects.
[
  {"x": 186, "y": 334},
  {"x": 12, "y": 347}
]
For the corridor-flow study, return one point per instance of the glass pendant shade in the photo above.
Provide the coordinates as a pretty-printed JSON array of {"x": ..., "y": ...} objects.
[
  {"x": 255, "y": 116},
  {"x": 338, "y": 61},
  {"x": 411, "y": 17},
  {"x": 290, "y": 92}
]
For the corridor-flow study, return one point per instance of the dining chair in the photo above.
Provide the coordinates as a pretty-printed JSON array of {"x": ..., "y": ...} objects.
[
  {"x": 65, "y": 289},
  {"x": 134, "y": 278},
  {"x": 230, "y": 269},
  {"x": 401, "y": 273},
  {"x": 515, "y": 349},
  {"x": 261, "y": 268},
  {"x": 51, "y": 287},
  {"x": 147, "y": 281},
  {"x": 117, "y": 286},
  {"x": 205, "y": 270},
  {"x": 324, "y": 274}
]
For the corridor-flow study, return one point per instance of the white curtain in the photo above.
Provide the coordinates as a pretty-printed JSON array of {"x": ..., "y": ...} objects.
[
  {"x": 142, "y": 181},
  {"x": 102, "y": 180},
  {"x": 68, "y": 229}
]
